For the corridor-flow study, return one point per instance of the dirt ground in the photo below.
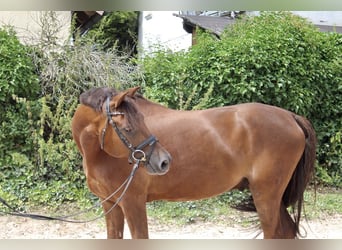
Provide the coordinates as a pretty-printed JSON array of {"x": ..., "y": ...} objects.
[{"x": 25, "y": 228}]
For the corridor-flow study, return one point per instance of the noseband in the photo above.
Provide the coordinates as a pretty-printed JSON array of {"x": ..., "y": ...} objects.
[{"x": 137, "y": 153}]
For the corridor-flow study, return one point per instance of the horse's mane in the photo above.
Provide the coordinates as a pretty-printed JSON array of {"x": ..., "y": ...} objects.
[{"x": 95, "y": 97}]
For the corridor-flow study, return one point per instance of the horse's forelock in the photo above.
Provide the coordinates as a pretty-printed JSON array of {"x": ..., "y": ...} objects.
[{"x": 95, "y": 98}]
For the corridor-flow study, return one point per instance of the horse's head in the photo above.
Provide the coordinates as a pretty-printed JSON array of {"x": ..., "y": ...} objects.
[{"x": 130, "y": 135}]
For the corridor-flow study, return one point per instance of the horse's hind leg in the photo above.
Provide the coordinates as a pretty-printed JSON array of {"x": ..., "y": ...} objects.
[
  {"x": 114, "y": 221},
  {"x": 276, "y": 222},
  {"x": 287, "y": 222}
]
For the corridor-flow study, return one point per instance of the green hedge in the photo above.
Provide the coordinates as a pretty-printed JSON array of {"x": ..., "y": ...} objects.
[
  {"x": 17, "y": 72},
  {"x": 276, "y": 58},
  {"x": 18, "y": 81}
]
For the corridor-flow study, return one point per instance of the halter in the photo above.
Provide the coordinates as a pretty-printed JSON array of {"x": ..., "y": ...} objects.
[{"x": 137, "y": 153}]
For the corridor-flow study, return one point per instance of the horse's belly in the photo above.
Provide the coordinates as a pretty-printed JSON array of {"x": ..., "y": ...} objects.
[{"x": 196, "y": 184}]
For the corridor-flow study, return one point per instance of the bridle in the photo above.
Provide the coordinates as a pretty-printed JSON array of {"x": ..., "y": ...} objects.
[{"x": 137, "y": 153}]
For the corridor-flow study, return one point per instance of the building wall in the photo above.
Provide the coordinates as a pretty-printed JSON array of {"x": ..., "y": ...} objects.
[
  {"x": 28, "y": 24},
  {"x": 162, "y": 28},
  {"x": 331, "y": 18}
]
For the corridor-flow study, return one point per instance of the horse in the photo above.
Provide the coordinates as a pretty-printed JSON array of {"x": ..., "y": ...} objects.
[
  {"x": 263, "y": 148},
  {"x": 105, "y": 150}
]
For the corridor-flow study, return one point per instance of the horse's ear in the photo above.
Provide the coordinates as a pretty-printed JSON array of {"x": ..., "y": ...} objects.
[
  {"x": 132, "y": 91},
  {"x": 117, "y": 99}
]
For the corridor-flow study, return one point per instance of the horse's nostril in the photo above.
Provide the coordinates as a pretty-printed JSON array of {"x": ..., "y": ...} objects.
[{"x": 164, "y": 164}]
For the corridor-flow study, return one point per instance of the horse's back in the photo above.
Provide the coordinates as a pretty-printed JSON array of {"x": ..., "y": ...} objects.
[{"x": 255, "y": 117}]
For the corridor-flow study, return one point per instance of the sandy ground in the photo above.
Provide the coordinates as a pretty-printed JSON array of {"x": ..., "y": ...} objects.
[{"x": 25, "y": 228}]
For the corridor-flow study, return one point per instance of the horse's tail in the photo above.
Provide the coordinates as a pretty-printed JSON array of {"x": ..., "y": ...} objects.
[{"x": 294, "y": 193}]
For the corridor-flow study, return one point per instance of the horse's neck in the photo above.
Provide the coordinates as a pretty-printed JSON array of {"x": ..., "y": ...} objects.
[{"x": 151, "y": 108}]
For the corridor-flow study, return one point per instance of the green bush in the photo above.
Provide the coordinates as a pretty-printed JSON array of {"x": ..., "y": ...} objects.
[
  {"x": 17, "y": 75},
  {"x": 276, "y": 58},
  {"x": 43, "y": 167},
  {"x": 18, "y": 83},
  {"x": 117, "y": 29},
  {"x": 17, "y": 79}
]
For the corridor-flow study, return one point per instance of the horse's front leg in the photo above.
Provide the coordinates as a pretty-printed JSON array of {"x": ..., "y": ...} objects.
[
  {"x": 136, "y": 217},
  {"x": 114, "y": 221}
]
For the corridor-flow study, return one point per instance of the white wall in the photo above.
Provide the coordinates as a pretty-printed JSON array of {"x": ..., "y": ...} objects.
[
  {"x": 164, "y": 29},
  {"x": 333, "y": 18},
  {"x": 27, "y": 24}
]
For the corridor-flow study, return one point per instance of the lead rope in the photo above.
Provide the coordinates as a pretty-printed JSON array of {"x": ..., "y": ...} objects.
[{"x": 125, "y": 184}]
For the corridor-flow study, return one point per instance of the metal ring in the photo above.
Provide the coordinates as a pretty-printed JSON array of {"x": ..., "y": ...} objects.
[{"x": 142, "y": 158}]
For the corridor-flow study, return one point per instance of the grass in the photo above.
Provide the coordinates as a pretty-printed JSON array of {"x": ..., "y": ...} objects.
[
  {"x": 326, "y": 203},
  {"x": 216, "y": 210}
]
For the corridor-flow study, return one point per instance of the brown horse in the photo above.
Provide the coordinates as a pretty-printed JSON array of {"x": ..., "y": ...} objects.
[{"x": 264, "y": 148}]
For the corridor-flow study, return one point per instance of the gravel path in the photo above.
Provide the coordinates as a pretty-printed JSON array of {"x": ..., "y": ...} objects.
[{"x": 25, "y": 228}]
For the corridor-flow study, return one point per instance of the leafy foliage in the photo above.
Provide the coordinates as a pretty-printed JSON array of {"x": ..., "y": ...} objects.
[
  {"x": 17, "y": 76},
  {"x": 276, "y": 58},
  {"x": 117, "y": 29},
  {"x": 18, "y": 81}
]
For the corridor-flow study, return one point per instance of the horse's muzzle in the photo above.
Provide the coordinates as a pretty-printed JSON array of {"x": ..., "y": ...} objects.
[{"x": 159, "y": 162}]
